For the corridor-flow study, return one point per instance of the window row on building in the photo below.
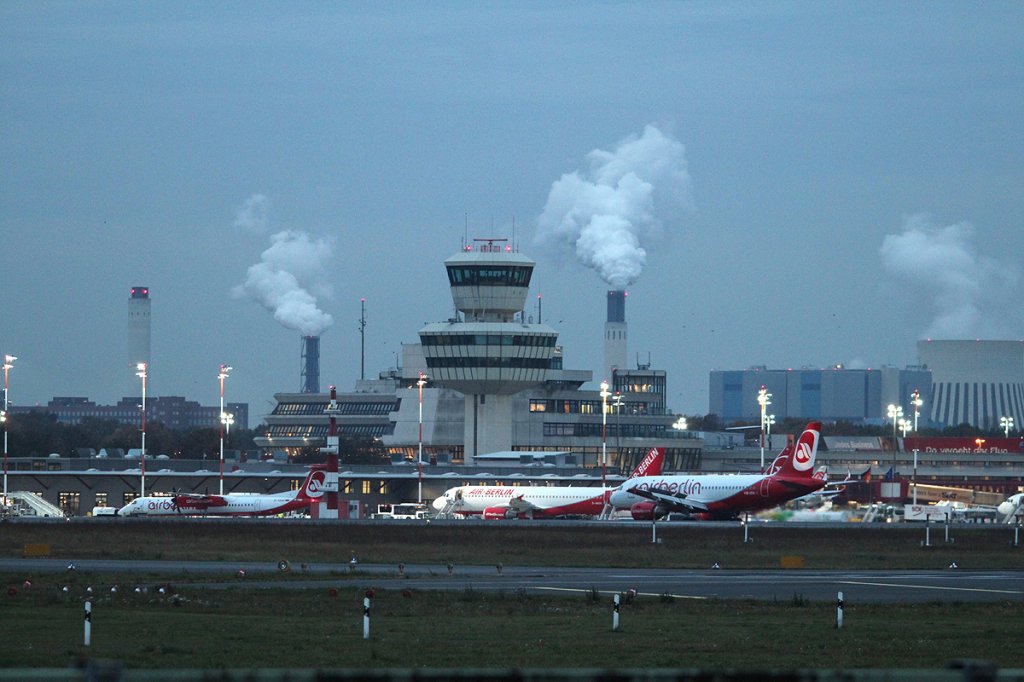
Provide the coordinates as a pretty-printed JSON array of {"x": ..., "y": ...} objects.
[
  {"x": 320, "y": 431},
  {"x": 520, "y": 340},
  {"x": 562, "y": 406},
  {"x": 344, "y": 408},
  {"x": 489, "y": 275},
  {"x": 611, "y": 430},
  {"x": 500, "y": 363}
]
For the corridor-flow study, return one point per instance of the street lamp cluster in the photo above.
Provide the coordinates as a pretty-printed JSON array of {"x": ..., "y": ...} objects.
[
  {"x": 764, "y": 400},
  {"x": 1007, "y": 424},
  {"x": 226, "y": 420}
]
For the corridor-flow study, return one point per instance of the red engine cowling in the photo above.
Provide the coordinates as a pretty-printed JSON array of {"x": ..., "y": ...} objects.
[
  {"x": 646, "y": 511},
  {"x": 497, "y": 513}
]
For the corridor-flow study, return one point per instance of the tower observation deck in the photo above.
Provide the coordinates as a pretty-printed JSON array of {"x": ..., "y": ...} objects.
[{"x": 488, "y": 351}]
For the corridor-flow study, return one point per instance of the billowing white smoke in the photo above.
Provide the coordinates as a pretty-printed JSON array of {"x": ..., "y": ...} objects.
[
  {"x": 252, "y": 215},
  {"x": 611, "y": 212},
  {"x": 940, "y": 266},
  {"x": 290, "y": 276}
]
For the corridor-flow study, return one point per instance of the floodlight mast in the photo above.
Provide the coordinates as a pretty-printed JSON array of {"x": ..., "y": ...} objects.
[
  {"x": 224, "y": 373},
  {"x": 8, "y": 364}
]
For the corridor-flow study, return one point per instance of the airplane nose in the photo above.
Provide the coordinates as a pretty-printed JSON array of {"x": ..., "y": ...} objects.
[{"x": 439, "y": 503}]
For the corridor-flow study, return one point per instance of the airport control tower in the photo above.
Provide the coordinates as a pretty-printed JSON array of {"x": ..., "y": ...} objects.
[{"x": 488, "y": 351}]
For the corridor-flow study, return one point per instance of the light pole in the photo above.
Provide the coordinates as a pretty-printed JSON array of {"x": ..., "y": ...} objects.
[
  {"x": 1005, "y": 422},
  {"x": 419, "y": 456},
  {"x": 617, "y": 402},
  {"x": 224, "y": 370},
  {"x": 8, "y": 363},
  {"x": 227, "y": 419},
  {"x": 895, "y": 413},
  {"x": 764, "y": 400},
  {"x": 769, "y": 421},
  {"x": 604, "y": 432},
  {"x": 141, "y": 373},
  {"x": 915, "y": 400},
  {"x": 906, "y": 425}
]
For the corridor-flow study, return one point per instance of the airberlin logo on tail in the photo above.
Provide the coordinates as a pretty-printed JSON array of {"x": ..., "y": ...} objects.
[
  {"x": 315, "y": 487},
  {"x": 803, "y": 457},
  {"x": 642, "y": 468}
]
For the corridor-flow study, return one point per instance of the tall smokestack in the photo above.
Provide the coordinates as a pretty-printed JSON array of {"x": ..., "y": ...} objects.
[
  {"x": 615, "y": 334},
  {"x": 139, "y": 333},
  {"x": 310, "y": 364}
]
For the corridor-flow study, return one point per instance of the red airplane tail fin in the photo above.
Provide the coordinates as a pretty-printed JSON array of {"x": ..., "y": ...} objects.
[
  {"x": 801, "y": 463},
  {"x": 313, "y": 487},
  {"x": 651, "y": 464},
  {"x": 776, "y": 464}
]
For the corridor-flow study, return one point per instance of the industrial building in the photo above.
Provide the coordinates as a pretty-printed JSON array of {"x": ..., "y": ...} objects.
[
  {"x": 833, "y": 394},
  {"x": 974, "y": 382}
]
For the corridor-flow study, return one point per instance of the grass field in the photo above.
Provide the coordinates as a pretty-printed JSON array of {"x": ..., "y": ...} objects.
[
  {"x": 241, "y": 628},
  {"x": 471, "y": 542}
]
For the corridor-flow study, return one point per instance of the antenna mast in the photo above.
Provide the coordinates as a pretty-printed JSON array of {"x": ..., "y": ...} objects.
[{"x": 362, "y": 339}]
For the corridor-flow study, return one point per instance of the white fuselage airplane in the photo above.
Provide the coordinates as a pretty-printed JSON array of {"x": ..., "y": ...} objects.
[
  {"x": 726, "y": 495},
  {"x": 536, "y": 502},
  {"x": 233, "y": 504}
]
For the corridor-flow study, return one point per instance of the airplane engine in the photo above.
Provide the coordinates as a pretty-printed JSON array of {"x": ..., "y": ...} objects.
[
  {"x": 498, "y": 513},
  {"x": 647, "y": 511}
]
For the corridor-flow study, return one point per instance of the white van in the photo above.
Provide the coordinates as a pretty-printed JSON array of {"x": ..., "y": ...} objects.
[{"x": 104, "y": 511}]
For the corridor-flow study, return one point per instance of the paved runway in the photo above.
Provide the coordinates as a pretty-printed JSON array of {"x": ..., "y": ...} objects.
[{"x": 857, "y": 586}]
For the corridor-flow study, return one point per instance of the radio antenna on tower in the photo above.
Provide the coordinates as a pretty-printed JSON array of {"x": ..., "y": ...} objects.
[{"x": 362, "y": 339}]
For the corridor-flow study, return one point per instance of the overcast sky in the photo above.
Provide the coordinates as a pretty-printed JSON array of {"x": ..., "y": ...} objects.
[{"x": 784, "y": 184}]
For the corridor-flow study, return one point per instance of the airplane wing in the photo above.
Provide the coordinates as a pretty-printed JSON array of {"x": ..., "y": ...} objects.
[
  {"x": 199, "y": 502},
  {"x": 521, "y": 506},
  {"x": 675, "y": 501}
]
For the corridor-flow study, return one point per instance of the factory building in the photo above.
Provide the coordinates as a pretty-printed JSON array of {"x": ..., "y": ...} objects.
[
  {"x": 833, "y": 394},
  {"x": 975, "y": 382}
]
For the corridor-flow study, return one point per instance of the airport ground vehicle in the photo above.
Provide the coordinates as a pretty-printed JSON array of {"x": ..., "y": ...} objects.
[{"x": 402, "y": 510}]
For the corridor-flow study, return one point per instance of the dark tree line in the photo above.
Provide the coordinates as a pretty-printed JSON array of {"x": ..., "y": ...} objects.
[{"x": 38, "y": 434}]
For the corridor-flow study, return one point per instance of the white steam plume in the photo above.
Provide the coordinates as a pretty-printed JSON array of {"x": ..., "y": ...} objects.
[
  {"x": 291, "y": 273},
  {"x": 252, "y": 215},
  {"x": 940, "y": 266},
  {"x": 611, "y": 212}
]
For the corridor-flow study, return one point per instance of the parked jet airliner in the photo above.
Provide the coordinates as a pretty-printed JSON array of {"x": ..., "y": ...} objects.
[
  {"x": 536, "y": 502},
  {"x": 233, "y": 504},
  {"x": 717, "y": 496}
]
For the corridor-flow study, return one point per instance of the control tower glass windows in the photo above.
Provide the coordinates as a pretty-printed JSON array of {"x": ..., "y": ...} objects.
[
  {"x": 489, "y": 275},
  {"x": 534, "y": 340}
]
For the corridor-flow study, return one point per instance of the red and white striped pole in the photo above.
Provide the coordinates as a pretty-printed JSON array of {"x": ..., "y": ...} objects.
[{"x": 88, "y": 623}]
